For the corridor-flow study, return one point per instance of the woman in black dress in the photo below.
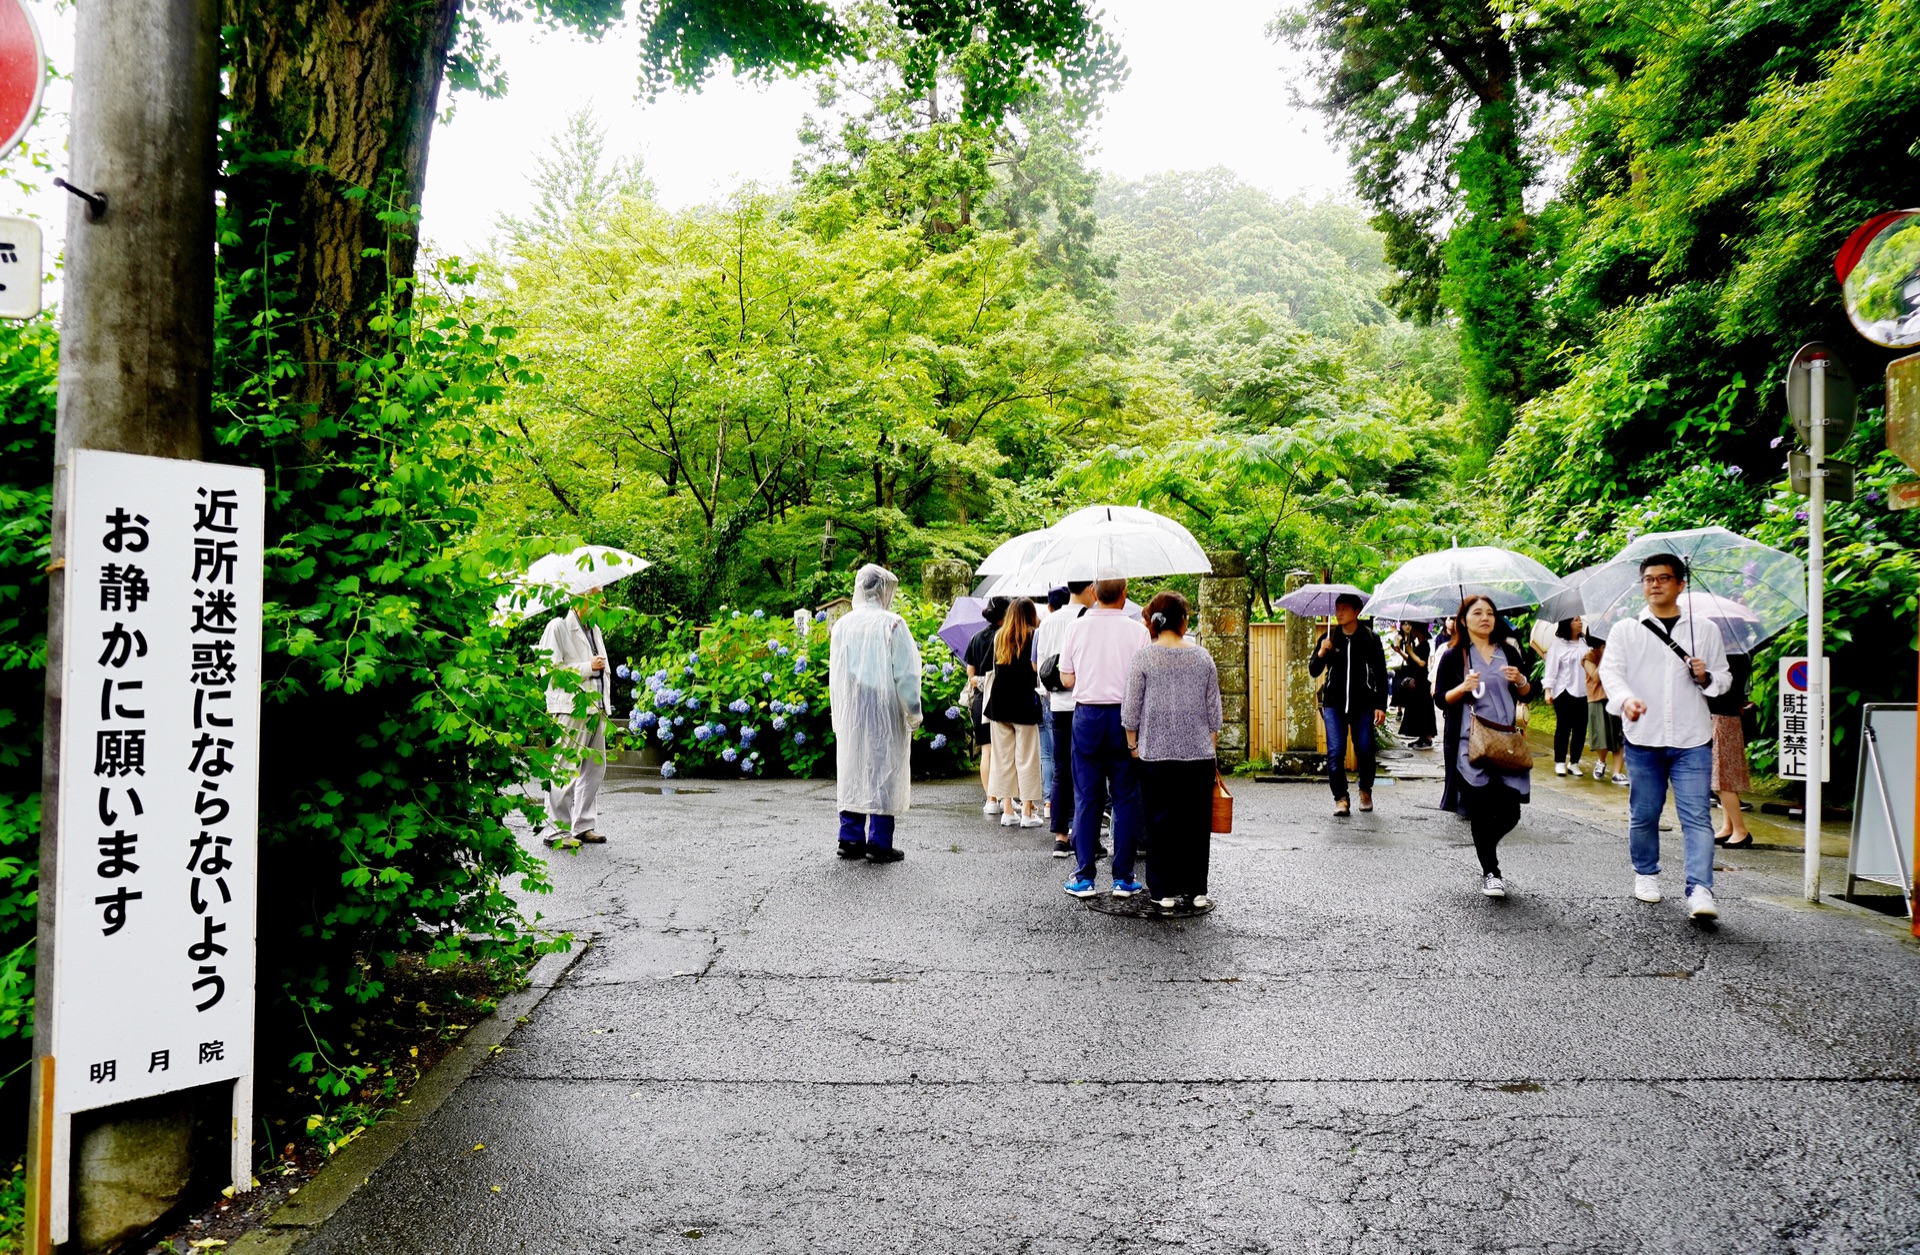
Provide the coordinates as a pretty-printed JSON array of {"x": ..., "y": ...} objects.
[{"x": 1412, "y": 692}]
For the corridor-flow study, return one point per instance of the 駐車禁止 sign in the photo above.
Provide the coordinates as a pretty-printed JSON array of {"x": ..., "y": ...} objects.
[{"x": 153, "y": 985}]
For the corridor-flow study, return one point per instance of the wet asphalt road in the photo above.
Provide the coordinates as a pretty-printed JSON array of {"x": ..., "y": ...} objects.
[{"x": 768, "y": 1050}]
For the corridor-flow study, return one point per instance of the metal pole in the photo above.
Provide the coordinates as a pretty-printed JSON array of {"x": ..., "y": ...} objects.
[
  {"x": 1816, "y": 617},
  {"x": 136, "y": 361}
]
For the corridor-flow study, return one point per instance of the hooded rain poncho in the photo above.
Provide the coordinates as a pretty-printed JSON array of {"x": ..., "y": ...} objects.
[{"x": 874, "y": 679}]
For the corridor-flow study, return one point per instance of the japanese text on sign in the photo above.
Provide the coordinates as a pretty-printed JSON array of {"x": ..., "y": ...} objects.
[
  {"x": 158, "y": 779},
  {"x": 1801, "y": 727}
]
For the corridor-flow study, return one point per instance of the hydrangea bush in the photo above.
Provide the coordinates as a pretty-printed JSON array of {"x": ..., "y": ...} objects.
[{"x": 747, "y": 695}]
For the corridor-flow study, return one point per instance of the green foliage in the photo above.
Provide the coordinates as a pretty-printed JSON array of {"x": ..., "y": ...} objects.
[
  {"x": 999, "y": 51},
  {"x": 747, "y": 695},
  {"x": 396, "y": 716},
  {"x": 28, "y": 369}
]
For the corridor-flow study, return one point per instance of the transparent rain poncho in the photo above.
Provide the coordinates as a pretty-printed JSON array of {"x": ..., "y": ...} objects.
[{"x": 874, "y": 679}]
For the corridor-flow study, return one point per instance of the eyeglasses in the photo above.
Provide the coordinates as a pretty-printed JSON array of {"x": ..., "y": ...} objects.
[{"x": 1659, "y": 579}]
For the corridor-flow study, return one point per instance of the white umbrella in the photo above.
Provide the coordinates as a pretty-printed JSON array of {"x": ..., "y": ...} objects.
[
  {"x": 1100, "y": 515},
  {"x": 1011, "y": 554},
  {"x": 561, "y": 577}
]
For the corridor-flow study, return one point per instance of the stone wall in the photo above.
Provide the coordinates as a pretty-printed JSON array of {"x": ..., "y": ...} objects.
[
  {"x": 1303, "y": 728},
  {"x": 944, "y": 579},
  {"x": 1223, "y": 629}
]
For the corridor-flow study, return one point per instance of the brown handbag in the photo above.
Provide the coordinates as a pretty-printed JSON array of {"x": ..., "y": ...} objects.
[
  {"x": 1222, "y": 805},
  {"x": 1500, "y": 745}
]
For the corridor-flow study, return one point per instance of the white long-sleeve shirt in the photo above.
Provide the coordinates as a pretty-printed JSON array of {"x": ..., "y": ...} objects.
[{"x": 1638, "y": 664}]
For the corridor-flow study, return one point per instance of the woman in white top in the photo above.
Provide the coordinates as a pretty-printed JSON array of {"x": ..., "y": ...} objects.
[{"x": 1566, "y": 685}]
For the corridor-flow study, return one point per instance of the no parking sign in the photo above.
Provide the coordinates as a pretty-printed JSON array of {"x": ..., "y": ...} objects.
[{"x": 1802, "y": 726}]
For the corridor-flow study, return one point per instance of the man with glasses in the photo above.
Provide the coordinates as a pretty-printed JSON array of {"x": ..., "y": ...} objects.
[{"x": 1658, "y": 671}]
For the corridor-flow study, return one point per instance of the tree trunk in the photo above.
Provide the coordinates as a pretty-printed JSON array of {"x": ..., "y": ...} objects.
[{"x": 333, "y": 105}]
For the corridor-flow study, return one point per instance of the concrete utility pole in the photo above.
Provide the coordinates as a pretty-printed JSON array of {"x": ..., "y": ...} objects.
[
  {"x": 1817, "y": 696},
  {"x": 136, "y": 375}
]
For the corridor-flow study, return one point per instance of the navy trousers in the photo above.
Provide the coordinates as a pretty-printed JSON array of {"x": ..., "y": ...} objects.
[
  {"x": 856, "y": 829},
  {"x": 1102, "y": 766}
]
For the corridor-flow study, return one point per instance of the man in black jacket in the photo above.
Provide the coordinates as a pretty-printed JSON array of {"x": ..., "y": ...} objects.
[{"x": 1354, "y": 698}]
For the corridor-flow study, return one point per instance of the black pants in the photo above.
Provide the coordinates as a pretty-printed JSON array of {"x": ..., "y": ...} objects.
[
  {"x": 1569, "y": 727},
  {"x": 1062, "y": 772},
  {"x": 1177, "y": 798},
  {"x": 1494, "y": 811}
]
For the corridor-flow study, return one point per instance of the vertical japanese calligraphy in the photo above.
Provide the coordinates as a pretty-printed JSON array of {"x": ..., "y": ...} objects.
[
  {"x": 1802, "y": 729},
  {"x": 155, "y": 886}
]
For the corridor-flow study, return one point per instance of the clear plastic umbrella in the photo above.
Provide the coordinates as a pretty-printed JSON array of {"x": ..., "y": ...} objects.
[
  {"x": 559, "y": 577},
  {"x": 1433, "y": 585},
  {"x": 1008, "y": 558},
  {"x": 1754, "y": 592},
  {"x": 1090, "y": 550}
]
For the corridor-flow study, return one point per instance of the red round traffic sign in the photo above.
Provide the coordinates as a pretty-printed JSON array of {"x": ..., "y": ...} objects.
[{"x": 23, "y": 72}]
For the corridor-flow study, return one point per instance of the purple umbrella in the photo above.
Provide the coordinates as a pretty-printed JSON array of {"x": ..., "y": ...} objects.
[
  {"x": 962, "y": 623},
  {"x": 1315, "y": 601}
]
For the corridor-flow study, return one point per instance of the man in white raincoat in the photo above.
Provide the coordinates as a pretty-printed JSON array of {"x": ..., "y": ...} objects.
[
  {"x": 579, "y": 697},
  {"x": 874, "y": 679}
]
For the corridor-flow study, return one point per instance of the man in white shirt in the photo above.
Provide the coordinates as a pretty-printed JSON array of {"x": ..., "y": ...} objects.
[
  {"x": 1047, "y": 644},
  {"x": 1659, "y": 670},
  {"x": 579, "y": 697}
]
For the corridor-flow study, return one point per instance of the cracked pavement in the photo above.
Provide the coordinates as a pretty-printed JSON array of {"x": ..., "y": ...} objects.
[{"x": 766, "y": 1049}]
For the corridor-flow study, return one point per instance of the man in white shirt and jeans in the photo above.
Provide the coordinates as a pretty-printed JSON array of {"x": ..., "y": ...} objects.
[
  {"x": 1047, "y": 643},
  {"x": 1659, "y": 670}
]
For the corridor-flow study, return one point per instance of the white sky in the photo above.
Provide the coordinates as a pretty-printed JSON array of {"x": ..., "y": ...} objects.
[{"x": 1206, "y": 88}]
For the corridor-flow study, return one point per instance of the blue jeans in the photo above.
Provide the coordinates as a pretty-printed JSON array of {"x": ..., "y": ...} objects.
[
  {"x": 874, "y": 829},
  {"x": 1101, "y": 763},
  {"x": 1690, "y": 771},
  {"x": 1339, "y": 723},
  {"x": 1046, "y": 753}
]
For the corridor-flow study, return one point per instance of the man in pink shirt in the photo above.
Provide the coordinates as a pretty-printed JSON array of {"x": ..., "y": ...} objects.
[{"x": 1094, "y": 659}]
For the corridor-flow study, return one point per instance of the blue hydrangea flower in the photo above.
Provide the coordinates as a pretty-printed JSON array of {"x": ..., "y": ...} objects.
[
  {"x": 953, "y": 712},
  {"x": 800, "y": 666},
  {"x": 782, "y": 650},
  {"x": 729, "y": 754},
  {"x": 940, "y": 741},
  {"x": 748, "y": 765},
  {"x": 747, "y": 735},
  {"x": 759, "y": 614},
  {"x": 798, "y": 708},
  {"x": 766, "y": 677},
  {"x": 719, "y": 729},
  {"x": 668, "y": 770},
  {"x": 623, "y": 671},
  {"x": 946, "y": 671},
  {"x": 687, "y": 670},
  {"x": 799, "y": 737},
  {"x": 678, "y": 720},
  {"x": 779, "y": 723},
  {"x": 666, "y": 733},
  {"x": 735, "y": 614},
  {"x": 819, "y": 616},
  {"x": 644, "y": 718},
  {"x": 778, "y": 708},
  {"x": 740, "y": 706},
  {"x": 702, "y": 732},
  {"x": 693, "y": 703}
]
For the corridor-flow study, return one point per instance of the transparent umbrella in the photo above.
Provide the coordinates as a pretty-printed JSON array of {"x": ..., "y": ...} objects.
[
  {"x": 1008, "y": 558},
  {"x": 1754, "y": 592},
  {"x": 1087, "y": 551},
  {"x": 1432, "y": 585},
  {"x": 1315, "y": 601}
]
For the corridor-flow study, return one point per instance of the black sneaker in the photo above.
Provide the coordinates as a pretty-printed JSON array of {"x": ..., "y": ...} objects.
[
  {"x": 884, "y": 854},
  {"x": 1062, "y": 847},
  {"x": 852, "y": 849}
]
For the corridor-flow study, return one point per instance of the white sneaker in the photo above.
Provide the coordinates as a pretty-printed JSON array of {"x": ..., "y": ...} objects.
[
  {"x": 1009, "y": 820},
  {"x": 991, "y": 808},
  {"x": 1032, "y": 821},
  {"x": 1700, "y": 903},
  {"x": 1492, "y": 886},
  {"x": 1646, "y": 888},
  {"x": 1202, "y": 901},
  {"x": 1600, "y": 770},
  {"x": 1559, "y": 769},
  {"x": 1619, "y": 777}
]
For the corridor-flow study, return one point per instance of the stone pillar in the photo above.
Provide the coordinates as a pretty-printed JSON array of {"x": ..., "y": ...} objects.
[
  {"x": 944, "y": 579},
  {"x": 1303, "y": 730},
  {"x": 1223, "y": 630}
]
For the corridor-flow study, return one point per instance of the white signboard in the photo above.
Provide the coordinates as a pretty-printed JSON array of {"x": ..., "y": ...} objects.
[
  {"x": 1801, "y": 728},
  {"x": 153, "y": 981},
  {"x": 19, "y": 268}
]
